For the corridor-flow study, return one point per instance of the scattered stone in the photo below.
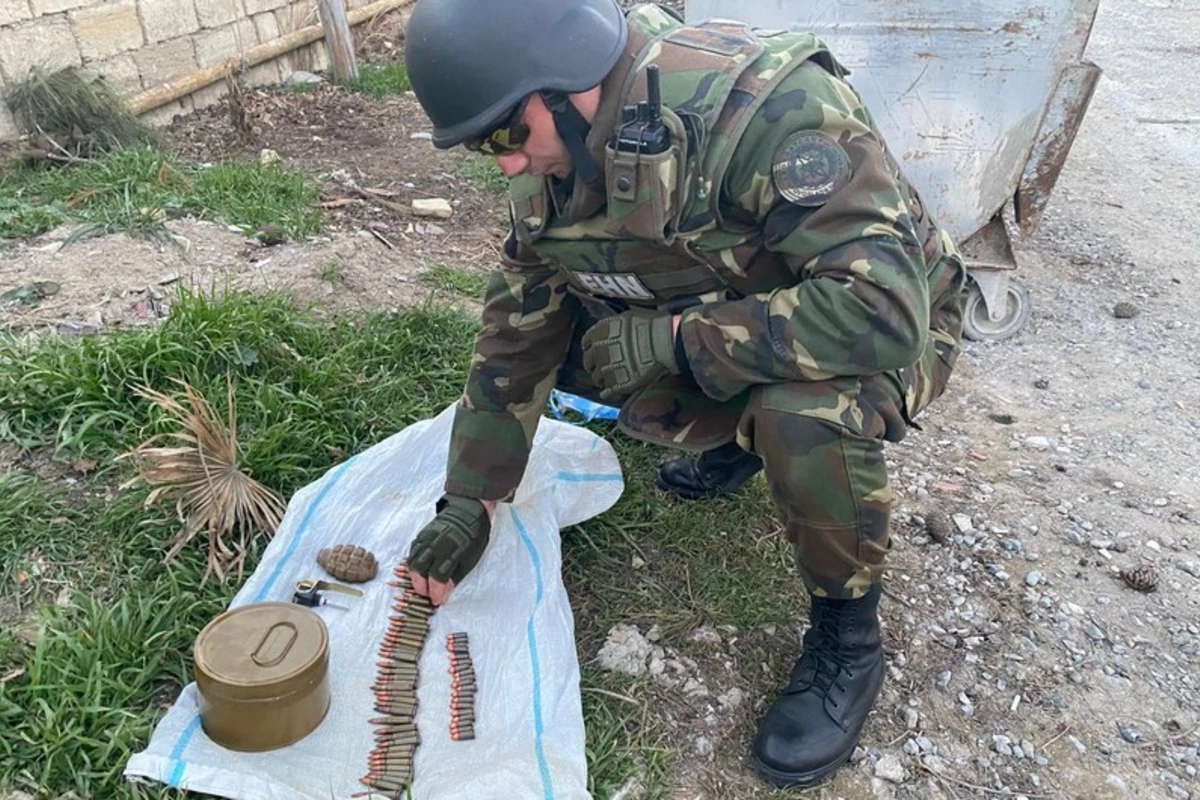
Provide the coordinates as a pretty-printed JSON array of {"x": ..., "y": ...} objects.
[
  {"x": 436, "y": 207},
  {"x": 911, "y": 718},
  {"x": 703, "y": 746},
  {"x": 1002, "y": 419},
  {"x": 889, "y": 768},
  {"x": 1117, "y": 782},
  {"x": 624, "y": 650},
  {"x": 1078, "y": 745},
  {"x": 911, "y": 747},
  {"x": 1125, "y": 310},
  {"x": 1041, "y": 383},
  {"x": 637, "y": 562},
  {"x": 1037, "y": 442},
  {"x": 267, "y": 157},
  {"x": 963, "y": 523},
  {"x": 732, "y": 699},
  {"x": 424, "y": 136},
  {"x": 1034, "y": 578}
]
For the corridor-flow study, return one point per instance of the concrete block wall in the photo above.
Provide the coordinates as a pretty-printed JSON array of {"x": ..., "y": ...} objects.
[{"x": 138, "y": 44}]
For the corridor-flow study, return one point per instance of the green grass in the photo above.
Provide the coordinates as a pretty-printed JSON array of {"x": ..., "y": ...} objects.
[
  {"x": 455, "y": 279},
  {"x": 136, "y": 190},
  {"x": 380, "y": 80},
  {"x": 484, "y": 171},
  {"x": 116, "y": 625}
]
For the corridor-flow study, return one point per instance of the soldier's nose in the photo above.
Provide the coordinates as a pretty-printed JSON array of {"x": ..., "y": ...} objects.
[{"x": 513, "y": 163}]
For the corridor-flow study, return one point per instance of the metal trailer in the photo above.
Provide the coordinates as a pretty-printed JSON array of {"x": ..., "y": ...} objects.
[{"x": 981, "y": 101}]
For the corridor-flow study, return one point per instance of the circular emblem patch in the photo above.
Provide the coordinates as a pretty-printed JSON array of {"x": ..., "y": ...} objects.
[{"x": 809, "y": 167}]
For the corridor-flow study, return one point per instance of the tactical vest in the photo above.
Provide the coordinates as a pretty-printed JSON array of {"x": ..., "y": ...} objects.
[{"x": 662, "y": 239}]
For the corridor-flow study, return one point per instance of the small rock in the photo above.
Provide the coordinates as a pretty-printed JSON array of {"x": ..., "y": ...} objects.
[
  {"x": 963, "y": 523},
  {"x": 911, "y": 718},
  {"x": 1041, "y": 383},
  {"x": 637, "y": 562},
  {"x": 421, "y": 136},
  {"x": 631, "y": 789},
  {"x": 925, "y": 743},
  {"x": 624, "y": 650},
  {"x": 943, "y": 678},
  {"x": 1078, "y": 745},
  {"x": 1117, "y": 782},
  {"x": 268, "y": 157},
  {"x": 1125, "y": 310},
  {"x": 1037, "y": 442},
  {"x": 912, "y": 748},
  {"x": 435, "y": 207},
  {"x": 731, "y": 699},
  {"x": 703, "y": 746},
  {"x": 889, "y": 768},
  {"x": 858, "y": 754},
  {"x": 1034, "y": 578},
  {"x": 302, "y": 78}
]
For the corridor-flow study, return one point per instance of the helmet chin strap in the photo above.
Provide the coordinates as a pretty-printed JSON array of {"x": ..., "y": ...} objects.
[{"x": 573, "y": 129}]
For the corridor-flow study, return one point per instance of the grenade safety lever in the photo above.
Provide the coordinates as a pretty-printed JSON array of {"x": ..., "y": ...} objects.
[{"x": 308, "y": 592}]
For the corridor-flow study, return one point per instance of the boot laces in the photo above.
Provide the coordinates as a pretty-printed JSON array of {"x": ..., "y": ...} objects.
[{"x": 825, "y": 657}]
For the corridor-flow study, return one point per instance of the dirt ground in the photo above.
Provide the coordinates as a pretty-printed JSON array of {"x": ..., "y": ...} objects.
[{"x": 1020, "y": 664}]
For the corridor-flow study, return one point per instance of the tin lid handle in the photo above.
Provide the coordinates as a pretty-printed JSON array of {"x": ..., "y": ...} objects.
[{"x": 275, "y": 644}]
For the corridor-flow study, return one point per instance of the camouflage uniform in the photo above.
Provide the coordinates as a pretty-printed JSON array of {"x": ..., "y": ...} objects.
[{"x": 816, "y": 327}]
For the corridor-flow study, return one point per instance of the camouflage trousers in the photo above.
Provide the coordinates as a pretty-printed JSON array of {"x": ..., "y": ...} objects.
[{"x": 822, "y": 446}]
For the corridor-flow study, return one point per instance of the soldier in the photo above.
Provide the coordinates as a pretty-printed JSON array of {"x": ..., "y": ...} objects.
[{"x": 743, "y": 269}]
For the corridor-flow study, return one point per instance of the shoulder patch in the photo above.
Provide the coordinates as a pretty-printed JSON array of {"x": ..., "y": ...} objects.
[{"x": 809, "y": 168}]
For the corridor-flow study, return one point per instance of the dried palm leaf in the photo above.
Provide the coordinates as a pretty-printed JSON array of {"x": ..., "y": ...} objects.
[{"x": 213, "y": 496}]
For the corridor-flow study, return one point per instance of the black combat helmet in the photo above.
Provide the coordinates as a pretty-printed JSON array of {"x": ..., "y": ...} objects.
[{"x": 472, "y": 61}]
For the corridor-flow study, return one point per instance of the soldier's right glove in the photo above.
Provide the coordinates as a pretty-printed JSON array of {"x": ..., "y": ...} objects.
[
  {"x": 630, "y": 350},
  {"x": 451, "y": 544}
]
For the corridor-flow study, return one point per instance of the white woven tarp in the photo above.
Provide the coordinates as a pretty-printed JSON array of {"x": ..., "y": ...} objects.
[{"x": 529, "y": 722}]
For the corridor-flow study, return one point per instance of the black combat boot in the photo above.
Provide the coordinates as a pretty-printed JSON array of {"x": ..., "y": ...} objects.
[
  {"x": 814, "y": 725},
  {"x": 713, "y": 473}
]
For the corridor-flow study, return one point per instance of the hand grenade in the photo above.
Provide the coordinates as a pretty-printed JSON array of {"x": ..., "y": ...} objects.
[{"x": 348, "y": 562}]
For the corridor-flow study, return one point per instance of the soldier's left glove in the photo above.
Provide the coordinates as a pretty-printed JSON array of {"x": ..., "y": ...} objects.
[
  {"x": 630, "y": 350},
  {"x": 450, "y": 545}
]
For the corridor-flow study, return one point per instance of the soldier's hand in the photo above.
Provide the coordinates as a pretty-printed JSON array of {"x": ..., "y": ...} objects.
[
  {"x": 449, "y": 547},
  {"x": 630, "y": 350}
]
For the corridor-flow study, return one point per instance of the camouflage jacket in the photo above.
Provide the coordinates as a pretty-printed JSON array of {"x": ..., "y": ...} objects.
[{"x": 777, "y": 223}]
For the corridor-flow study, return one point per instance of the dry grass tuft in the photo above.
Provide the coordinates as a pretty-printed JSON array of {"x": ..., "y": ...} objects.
[
  {"x": 82, "y": 115},
  {"x": 213, "y": 495}
]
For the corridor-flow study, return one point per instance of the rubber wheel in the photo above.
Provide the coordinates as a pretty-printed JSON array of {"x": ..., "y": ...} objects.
[{"x": 979, "y": 327}]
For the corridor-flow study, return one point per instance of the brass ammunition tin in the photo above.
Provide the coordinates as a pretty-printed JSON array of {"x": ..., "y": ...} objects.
[{"x": 262, "y": 671}]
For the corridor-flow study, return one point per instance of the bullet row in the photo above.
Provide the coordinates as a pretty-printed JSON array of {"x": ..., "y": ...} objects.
[
  {"x": 462, "y": 687},
  {"x": 395, "y": 689}
]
